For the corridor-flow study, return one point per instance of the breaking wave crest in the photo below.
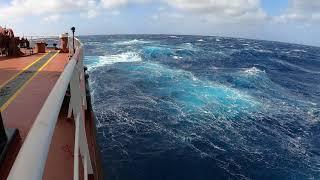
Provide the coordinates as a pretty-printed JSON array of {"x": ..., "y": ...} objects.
[
  {"x": 100, "y": 61},
  {"x": 130, "y": 42},
  {"x": 253, "y": 71}
]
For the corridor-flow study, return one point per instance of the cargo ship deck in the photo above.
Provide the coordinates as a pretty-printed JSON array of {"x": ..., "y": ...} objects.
[{"x": 25, "y": 84}]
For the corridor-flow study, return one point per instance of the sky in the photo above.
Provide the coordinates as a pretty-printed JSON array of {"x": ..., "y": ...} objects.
[{"x": 295, "y": 21}]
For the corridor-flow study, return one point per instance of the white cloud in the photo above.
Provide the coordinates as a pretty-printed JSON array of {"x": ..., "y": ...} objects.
[
  {"x": 155, "y": 17},
  {"x": 91, "y": 13},
  {"x": 167, "y": 16},
  {"x": 301, "y": 11},
  {"x": 316, "y": 16},
  {"x": 21, "y": 8},
  {"x": 305, "y": 5},
  {"x": 52, "y": 18},
  {"x": 115, "y": 12},
  {"x": 113, "y": 3},
  {"x": 220, "y": 9},
  {"x": 223, "y": 7},
  {"x": 209, "y": 5},
  {"x": 86, "y": 8},
  {"x": 110, "y": 4}
]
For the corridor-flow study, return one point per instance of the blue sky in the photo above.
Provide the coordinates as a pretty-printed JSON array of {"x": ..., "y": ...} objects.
[
  {"x": 294, "y": 21},
  {"x": 275, "y": 7}
]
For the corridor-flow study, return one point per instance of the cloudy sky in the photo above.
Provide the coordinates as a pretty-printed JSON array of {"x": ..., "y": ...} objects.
[{"x": 296, "y": 21}]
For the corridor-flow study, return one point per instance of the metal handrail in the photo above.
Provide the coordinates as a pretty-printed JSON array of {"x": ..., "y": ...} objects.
[{"x": 31, "y": 160}]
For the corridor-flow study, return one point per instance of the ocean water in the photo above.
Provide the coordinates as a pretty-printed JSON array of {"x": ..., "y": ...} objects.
[{"x": 204, "y": 108}]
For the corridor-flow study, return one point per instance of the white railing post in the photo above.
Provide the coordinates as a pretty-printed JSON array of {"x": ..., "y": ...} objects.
[
  {"x": 80, "y": 68},
  {"x": 70, "y": 109},
  {"x": 76, "y": 149},
  {"x": 78, "y": 112},
  {"x": 85, "y": 166},
  {"x": 82, "y": 81}
]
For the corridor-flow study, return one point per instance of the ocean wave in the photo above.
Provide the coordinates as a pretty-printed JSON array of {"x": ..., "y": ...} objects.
[
  {"x": 262, "y": 50},
  {"x": 294, "y": 66},
  {"x": 188, "y": 47},
  {"x": 210, "y": 114},
  {"x": 252, "y": 78},
  {"x": 168, "y": 98},
  {"x": 253, "y": 71},
  {"x": 195, "y": 93},
  {"x": 131, "y": 42},
  {"x": 314, "y": 114},
  {"x": 157, "y": 51},
  {"x": 99, "y": 61},
  {"x": 177, "y": 57},
  {"x": 256, "y": 49},
  {"x": 297, "y": 50}
]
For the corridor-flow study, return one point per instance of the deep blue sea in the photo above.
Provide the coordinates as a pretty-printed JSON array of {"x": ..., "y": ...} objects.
[{"x": 205, "y": 108}]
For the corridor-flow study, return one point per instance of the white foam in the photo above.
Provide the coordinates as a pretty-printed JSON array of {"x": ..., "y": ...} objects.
[
  {"x": 117, "y": 58},
  {"x": 262, "y": 50},
  {"x": 177, "y": 57},
  {"x": 253, "y": 71},
  {"x": 312, "y": 113},
  {"x": 123, "y": 57},
  {"x": 188, "y": 46},
  {"x": 298, "y": 50},
  {"x": 131, "y": 42},
  {"x": 200, "y": 40},
  {"x": 173, "y": 37}
]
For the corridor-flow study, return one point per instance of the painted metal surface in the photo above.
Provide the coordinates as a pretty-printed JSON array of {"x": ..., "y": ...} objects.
[
  {"x": 9, "y": 90},
  {"x": 32, "y": 157}
]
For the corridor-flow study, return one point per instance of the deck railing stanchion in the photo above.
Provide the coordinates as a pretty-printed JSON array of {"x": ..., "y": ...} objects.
[
  {"x": 78, "y": 112},
  {"x": 76, "y": 150}
]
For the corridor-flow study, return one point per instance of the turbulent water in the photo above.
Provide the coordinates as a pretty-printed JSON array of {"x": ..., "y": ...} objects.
[{"x": 194, "y": 107}]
